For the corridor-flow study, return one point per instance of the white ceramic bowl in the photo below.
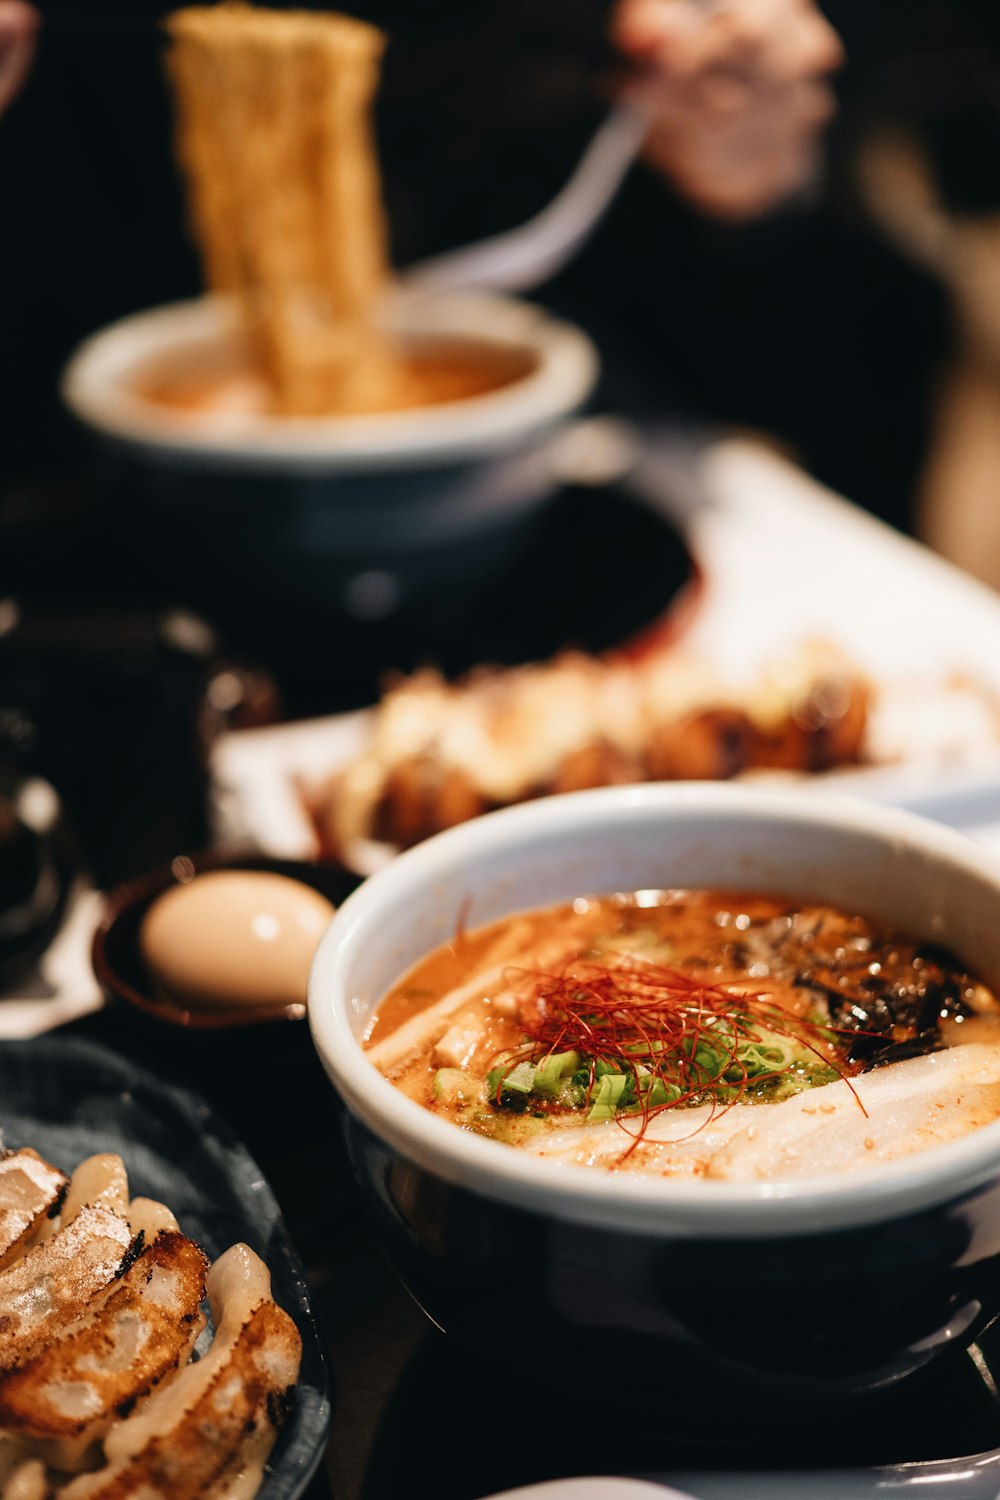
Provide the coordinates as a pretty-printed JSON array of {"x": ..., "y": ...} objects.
[
  {"x": 101, "y": 386},
  {"x": 463, "y": 1215},
  {"x": 309, "y": 512}
]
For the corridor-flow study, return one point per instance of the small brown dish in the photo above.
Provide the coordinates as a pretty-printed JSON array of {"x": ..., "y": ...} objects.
[{"x": 117, "y": 958}]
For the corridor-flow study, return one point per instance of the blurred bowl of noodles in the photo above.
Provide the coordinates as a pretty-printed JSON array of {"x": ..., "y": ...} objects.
[
  {"x": 426, "y": 488},
  {"x": 310, "y": 422}
]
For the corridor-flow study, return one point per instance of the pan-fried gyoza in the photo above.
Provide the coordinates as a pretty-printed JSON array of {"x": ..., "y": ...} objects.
[
  {"x": 709, "y": 1034},
  {"x": 29, "y": 1190},
  {"x": 100, "y": 1310}
]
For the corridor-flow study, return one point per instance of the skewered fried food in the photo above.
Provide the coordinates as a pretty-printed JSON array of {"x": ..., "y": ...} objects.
[{"x": 441, "y": 752}]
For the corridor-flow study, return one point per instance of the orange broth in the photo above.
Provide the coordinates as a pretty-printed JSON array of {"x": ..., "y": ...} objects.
[
  {"x": 691, "y": 999},
  {"x": 430, "y": 374}
]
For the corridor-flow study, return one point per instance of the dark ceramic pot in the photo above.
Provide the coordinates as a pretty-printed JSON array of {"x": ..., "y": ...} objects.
[{"x": 817, "y": 1287}]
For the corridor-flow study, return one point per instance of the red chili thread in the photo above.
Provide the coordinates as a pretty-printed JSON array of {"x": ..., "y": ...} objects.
[{"x": 635, "y": 1013}]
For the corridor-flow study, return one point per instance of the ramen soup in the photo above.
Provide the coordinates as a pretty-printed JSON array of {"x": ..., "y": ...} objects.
[
  {"x": 696, "y": 1033},
  {"x": 431, "y": 374}
]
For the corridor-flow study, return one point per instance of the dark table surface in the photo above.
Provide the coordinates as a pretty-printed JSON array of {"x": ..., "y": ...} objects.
[
  {"x": 408, "y": 1400},
  {"x": 478, "y": 1418}
]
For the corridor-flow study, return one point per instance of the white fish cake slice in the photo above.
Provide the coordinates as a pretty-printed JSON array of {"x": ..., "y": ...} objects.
[
  {"x": 675, "y": 1142},
  {"x": 876, "y": 1118},
  {"x": 49, "y": 1287},
  {"x": 872, "y": 1119},
  {"x": 70, "y": 1390},
  {"x": 209, "y": 1431},
  {"x": 30, "y": 1189}
]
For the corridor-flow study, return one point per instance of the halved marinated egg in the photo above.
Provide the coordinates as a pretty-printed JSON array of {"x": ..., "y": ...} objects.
[{"x": 234, "y": 938}]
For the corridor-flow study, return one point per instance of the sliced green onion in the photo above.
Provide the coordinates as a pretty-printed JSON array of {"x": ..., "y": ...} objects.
[
  {"x": 520, "y": 1080},
  {"x": 553, "y": 1070},
  {"x": 660, "y": 1092},
  {"x": 606, "y": 1098}
]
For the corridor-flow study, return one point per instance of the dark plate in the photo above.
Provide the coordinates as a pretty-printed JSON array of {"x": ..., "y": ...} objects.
[{"x": 69, "y": 1099}]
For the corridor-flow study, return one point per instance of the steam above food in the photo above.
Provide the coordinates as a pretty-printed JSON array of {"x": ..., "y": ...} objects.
[{"x": 696, "y": 1033}]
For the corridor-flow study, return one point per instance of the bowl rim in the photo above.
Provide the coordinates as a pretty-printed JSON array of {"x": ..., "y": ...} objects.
[
  {"x": 623, "y": 1201},
  {"x": 93, "y": 385}
]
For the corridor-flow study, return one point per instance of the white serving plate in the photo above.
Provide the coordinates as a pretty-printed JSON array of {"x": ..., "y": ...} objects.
[
  {"x": 61, "y": 987},
  {"x": 785, "y": 560}
]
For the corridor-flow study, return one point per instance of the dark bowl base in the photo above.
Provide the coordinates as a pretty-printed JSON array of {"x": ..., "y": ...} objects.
[
  {"x": 519, "y": 1412},
  {"x": 784, "y": 1316}
]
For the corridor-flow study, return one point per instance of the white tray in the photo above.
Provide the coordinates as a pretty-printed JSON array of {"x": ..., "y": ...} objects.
[
  {"x": 62, "y": 986},
  {"x": 785, "y": 560}
]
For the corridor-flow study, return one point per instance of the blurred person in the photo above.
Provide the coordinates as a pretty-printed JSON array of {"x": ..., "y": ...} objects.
[
  {"x": 714, "y": 288},
  {"x": 737, "y": 93},
  {"x": 483, "y": 113},
  {"x": 18, "y": 28},
  {"x": 929, "y": 169},
  {"x": 733, "y": 280}
]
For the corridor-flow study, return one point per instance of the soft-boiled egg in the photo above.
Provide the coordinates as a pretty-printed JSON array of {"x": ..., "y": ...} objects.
[{"x": 230, "y": 939}]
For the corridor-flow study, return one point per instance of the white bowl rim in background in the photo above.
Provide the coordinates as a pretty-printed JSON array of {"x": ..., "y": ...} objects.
[
  {"x": 624, "y": 1201},
  {"x": 97, "y": 386}
]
